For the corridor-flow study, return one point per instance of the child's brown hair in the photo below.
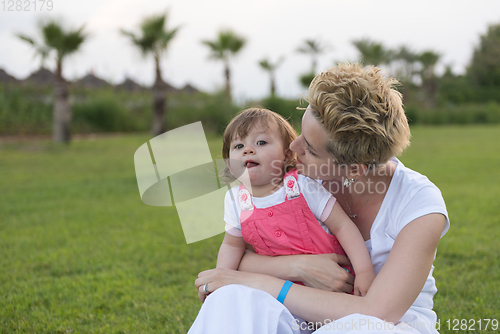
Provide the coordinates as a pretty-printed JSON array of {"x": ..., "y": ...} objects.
[{"x": 243, "y": 123}]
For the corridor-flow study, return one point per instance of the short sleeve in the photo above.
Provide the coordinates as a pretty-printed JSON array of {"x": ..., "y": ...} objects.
[
  {"x": 231, "y": 210},
  {"x": 427, "y": 200},
  {"x": 315, "y": 195}
]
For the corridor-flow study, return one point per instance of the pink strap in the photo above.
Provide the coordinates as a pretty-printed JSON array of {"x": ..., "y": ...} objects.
[
  {"x": 291, "y": 185},
  {"x": 244, "y": 198}
]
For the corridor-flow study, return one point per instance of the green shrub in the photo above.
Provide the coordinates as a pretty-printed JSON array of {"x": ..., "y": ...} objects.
[
  {"x": 104, "y": 114},
  {"x": 412, "y": 115},
  {"x": 286, "y": 108},
  {"x": 25, "y": 110},
  {"x": 213, "y": 110},
  {"x": 455, "y": 114}
]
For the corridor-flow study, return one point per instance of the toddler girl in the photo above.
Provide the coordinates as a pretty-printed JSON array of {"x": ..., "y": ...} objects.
[{"x": 276, "y": 210}]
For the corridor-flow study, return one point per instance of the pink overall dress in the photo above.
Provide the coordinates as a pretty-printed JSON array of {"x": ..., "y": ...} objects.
[{"x": 288, "y": 228}]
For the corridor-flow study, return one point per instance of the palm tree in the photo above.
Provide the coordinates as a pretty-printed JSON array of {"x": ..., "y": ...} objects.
[
  {"x": 271, "y": 68},
  {"x": 429, "y": 59},
  {"x": 405, "y": 60},
  {"x": 226, "y": 45},
  {"x": 64, "y": 42},
  {"x": 372, "y": 53},
  {"x": 314, "y": 49},
  {"x": 41, "y": 50},
  {"x": 154, "y": 39}
]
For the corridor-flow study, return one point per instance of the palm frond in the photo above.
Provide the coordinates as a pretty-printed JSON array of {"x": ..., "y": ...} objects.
[
  {"x": 54, "y": 37},
  {"x": 373, "y": 53},
  {"x": 313, "y": 47},
  {"x": 154, "y": 37},
  {"x": 429, "y": 58},
  {"x": 52, "y": 34},
  {"x": 267, "y": 65},
  {"x": 26, "y": 39},
  {"x": 225, "y": 45},
  {"x": 216, "y": 50},
  {"x": 72, "y": 40}
]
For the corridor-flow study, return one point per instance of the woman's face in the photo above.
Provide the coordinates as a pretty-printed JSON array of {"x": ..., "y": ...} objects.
[{"x": 313, "y": 159}]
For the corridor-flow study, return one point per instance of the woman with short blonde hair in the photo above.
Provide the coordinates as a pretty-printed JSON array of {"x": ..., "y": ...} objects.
[{"x": 352, "y": 130}]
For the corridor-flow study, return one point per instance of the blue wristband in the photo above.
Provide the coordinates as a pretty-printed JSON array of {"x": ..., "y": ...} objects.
[{"x": 284, "y": 291}]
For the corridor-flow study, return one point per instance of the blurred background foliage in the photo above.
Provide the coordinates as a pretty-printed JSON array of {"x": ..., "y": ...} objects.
[{"x": 98, "y": 107}]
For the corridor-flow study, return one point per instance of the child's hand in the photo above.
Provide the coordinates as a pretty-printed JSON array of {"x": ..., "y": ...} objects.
[{"x": 362, "y": 282}]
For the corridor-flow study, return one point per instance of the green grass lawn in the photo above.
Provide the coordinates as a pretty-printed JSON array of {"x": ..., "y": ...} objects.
[{"x": 81, "y": 253}]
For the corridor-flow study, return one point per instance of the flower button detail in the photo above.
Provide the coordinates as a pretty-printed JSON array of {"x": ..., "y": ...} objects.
[
  {"x": 270, "y": 213},
  {"x": 277, "y": 233},
  {"x": 290, "y": 184},
  {"x": 244, "y": 197}
]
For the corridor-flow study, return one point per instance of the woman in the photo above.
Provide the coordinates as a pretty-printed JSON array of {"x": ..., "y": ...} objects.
[{"x": 352, "y": 129}]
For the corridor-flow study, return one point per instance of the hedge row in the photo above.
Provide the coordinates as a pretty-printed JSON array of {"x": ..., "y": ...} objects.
[{"x": 28, "y": 111}]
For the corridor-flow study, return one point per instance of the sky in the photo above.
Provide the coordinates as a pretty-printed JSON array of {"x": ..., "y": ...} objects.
[{"x": 272, "y": 28}]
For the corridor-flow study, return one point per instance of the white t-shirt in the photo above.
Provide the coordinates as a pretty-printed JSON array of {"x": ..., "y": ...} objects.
[
  {"x": 314, "y": 193},
  {"x": 410, "y": 195}
]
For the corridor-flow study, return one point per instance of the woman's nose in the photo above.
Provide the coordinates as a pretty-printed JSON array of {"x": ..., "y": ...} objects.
[{"x": 296, "y": 145}]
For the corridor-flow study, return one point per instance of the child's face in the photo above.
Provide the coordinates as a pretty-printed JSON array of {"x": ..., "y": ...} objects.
[{"x": 261, "y": 152}]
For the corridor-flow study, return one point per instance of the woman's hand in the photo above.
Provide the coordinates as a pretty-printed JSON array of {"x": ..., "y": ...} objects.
[
  {"x": 317, "y": 271},
  {"x": 219, "y": 277},
  {"x": 324, "y": 272}
]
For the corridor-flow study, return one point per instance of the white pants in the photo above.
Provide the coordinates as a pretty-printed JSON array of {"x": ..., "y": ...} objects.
[{"x": 237, "y": 309}]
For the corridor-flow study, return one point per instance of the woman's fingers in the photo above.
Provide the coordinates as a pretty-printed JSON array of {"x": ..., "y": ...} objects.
[
  {"x": 213, "y": 279},
  {"x": 340, "y": 259},
  {"x": 323, "y": 272},
  {"x": 350, "y": 278},
  {"x": 206, "y": 272},
  {"x": 203, "y": 286}
]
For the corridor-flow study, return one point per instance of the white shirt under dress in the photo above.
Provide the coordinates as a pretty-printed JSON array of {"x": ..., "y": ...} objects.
[{"x": 239, "y": 309}]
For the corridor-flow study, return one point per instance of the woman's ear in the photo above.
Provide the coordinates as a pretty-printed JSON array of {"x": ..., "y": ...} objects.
[{"x": 357, "y": 170}]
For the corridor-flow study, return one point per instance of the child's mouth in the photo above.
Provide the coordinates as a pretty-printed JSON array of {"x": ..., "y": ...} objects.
[{"x": 250, "y": 164}]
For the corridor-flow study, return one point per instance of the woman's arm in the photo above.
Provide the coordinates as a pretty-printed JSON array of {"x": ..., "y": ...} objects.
[
  {"x": 317, "y": 271},
  {"x": 392, "y": 293}
]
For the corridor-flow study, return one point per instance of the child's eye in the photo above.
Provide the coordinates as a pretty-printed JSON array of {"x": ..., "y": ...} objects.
[
  {"x": 261, "y": 143},
  {"x": 238, "y": 146}
]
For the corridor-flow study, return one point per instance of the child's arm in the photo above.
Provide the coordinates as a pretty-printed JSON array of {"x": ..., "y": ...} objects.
[
  {"x": 351, "y": 240},
  {"x": 230, "y": 252}
]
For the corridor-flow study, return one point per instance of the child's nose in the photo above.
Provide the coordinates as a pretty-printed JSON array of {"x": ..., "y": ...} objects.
[{"x": 249, "y": 150}]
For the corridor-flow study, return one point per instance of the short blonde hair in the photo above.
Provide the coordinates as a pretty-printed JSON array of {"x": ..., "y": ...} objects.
[
  {"x": 246, "y": 120},
  {"x": 362, "y": 113}
]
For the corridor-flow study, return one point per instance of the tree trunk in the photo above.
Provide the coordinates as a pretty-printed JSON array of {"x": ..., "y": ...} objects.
[
  {"x": 431, "y": 90},
  {"x": 273, "y": 85},
  {"x": 159, "y": 101},
  {"x": 227, "y": 90},
  {"x": 62, "y": 109}
]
